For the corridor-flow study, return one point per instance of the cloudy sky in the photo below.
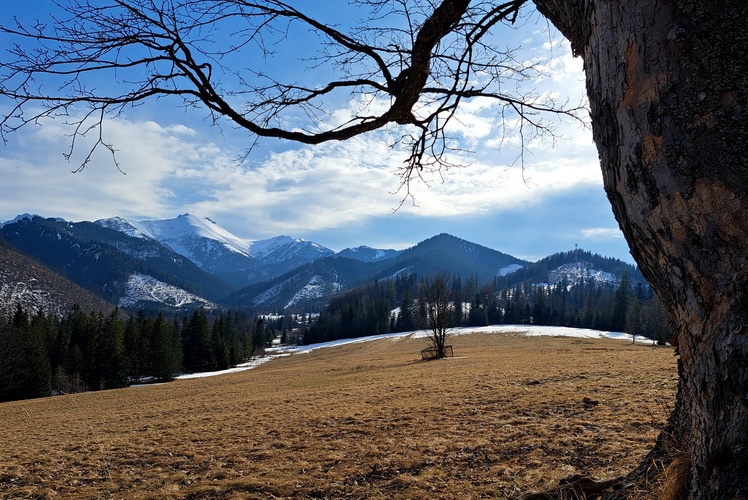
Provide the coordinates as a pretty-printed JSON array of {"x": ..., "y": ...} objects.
[{"x": 342, "y": 194}]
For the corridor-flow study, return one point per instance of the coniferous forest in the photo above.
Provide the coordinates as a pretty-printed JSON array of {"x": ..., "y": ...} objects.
[
  {"x": 41, "y": 355},
  {"x": 394, "y": 306}
]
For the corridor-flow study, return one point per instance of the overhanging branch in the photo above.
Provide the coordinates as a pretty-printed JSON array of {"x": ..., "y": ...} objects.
[{"x": 432, "y": 59}]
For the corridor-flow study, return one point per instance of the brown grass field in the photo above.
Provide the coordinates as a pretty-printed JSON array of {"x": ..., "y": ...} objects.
[{"x": 506, "y": 415}]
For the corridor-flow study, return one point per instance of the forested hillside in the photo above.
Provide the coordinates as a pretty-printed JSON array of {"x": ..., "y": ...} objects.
[
  {"x": 41, "y": 355},
  {"x": 396, "y": 305},
  {"x": 102, "y": 260},
  {"x": 35, "y": 287}
]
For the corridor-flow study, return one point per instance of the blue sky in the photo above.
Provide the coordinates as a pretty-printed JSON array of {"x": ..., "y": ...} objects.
[{"x": 336, "y": 194}]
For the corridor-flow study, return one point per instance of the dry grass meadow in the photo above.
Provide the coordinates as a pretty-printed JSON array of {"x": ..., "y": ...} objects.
[{"x": 507, "y": 414}]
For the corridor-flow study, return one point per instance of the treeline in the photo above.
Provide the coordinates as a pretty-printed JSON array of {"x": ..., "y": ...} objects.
[
  {"x": 395, "y": 306},
  {"x": 41, "y": 355}
]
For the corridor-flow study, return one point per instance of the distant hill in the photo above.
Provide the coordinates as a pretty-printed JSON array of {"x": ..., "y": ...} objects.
[
  {"x": 35, "y": 287},
  {"x": 573, "y": 266},
  {"x": 368, "y": 254},
  {"x": 459, "y": 257},
  {"x": 102, "y": 260},
  {"x": 308, "y": 287}
]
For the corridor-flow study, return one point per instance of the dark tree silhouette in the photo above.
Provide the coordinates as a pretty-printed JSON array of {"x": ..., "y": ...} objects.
[
  {"x": 436, "y": 295},
  {"x": 667, "y": 87}
]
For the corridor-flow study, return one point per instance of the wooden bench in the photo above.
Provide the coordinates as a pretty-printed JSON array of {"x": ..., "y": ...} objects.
[{"x": 433, "y": 352}]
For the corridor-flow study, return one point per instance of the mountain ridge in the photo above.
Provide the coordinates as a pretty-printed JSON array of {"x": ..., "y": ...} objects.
[{"x": 193, "y": 262}]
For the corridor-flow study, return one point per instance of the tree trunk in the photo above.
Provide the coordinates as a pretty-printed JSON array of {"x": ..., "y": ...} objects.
[{"x": 667, "y": 82}]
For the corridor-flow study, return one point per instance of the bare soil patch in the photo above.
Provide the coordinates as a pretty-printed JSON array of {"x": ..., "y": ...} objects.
[{"x": 507, "y": 414}]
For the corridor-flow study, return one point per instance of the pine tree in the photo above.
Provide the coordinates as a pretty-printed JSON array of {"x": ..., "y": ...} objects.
[
  {"x": 39, "y": 383},
  {"x": 620, "y": 305},
  {"x": 12, "y": 360},
  {"x": 166, "y": 356},
  {"x": 114, "y": 365}
]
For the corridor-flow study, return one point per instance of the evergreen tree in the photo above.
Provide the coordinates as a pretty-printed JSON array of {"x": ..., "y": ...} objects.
[
  {"x": 134, "y": 345},
  {"x": 13, "y": 362},
  {"x": 39, "y": 383},
  {"x": 198, "y": 356},
  {"x": 406, "y": 318},
  {"x": 112, "y": 352},
  {"x": 620, "y": 305},
  {"x": 219, "y": 342},
  {"x": 166, "y": 354}
]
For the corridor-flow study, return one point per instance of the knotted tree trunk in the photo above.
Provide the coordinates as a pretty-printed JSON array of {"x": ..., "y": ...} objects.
[{"x": 667, "y": 82}]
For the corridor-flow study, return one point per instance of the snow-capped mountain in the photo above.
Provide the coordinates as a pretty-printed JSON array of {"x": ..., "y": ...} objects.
[
  {"x": 368, "y": 254},
  {"x": 102, "y": 259},
  {"x": 216, "y": 250},
  {"x": 204, "y": 242},
  {"x": 18, "y": 218},
  {"x": 284, "y": 248}
]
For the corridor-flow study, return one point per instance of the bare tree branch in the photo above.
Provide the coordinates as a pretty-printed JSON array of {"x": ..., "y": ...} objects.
[{"x": 422, "y": 58}]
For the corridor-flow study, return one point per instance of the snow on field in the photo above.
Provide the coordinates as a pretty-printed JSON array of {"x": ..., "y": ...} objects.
[
  {"x": 528, "y": 330},
  {"x": 252, "y": 363}
]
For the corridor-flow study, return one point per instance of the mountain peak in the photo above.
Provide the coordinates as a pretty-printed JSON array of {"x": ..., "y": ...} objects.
[
  {"x": 19, "y": 218},
  {"x": 189, "y": 226}
]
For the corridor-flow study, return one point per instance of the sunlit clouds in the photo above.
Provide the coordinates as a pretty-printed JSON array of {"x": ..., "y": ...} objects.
[{"x": 339, "y": 193}]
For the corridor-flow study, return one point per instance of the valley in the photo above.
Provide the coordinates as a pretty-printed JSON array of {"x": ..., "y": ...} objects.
[{"x": 507, "y": 414}]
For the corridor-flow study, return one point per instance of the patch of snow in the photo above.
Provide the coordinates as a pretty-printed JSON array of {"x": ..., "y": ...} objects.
[
  {"x": 314, "y": 289},
  {"x": 144, "y": 288},
  {"x": 509, "y": 269},
  {"x": 574, "y": 272},
  {"x": 402, "y": 272},
  {"x": 29, "y": 296},
  {"x": 252, "y": 363},
  {"x": 530, "y": 331}
]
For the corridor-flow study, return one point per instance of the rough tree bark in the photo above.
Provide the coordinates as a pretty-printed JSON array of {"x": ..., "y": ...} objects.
[{"x": 667, "y": 82}]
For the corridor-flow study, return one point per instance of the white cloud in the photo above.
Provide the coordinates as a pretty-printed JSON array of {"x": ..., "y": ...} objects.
[
  {"x": 37, "y": 177},
  {"x": 171, "y": 169},
  {"x": 601, "y": 233}
]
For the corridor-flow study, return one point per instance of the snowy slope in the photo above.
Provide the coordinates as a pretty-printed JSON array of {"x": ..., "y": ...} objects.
[
  {"x": 285, "y": 248},
  {"x": 509, "y": 269},
  {"x": 142, "y": 290},
  {"x": 181, "y": 233},
  {"x": 574, "y": 272},
  {"x": 201, "y": 240},
  {"x": 28, "y": 283}
]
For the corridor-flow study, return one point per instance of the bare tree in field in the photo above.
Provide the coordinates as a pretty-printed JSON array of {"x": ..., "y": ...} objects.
[
  {"x": 667, "y": 88},
  {"x": 436, "y": 294}
]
